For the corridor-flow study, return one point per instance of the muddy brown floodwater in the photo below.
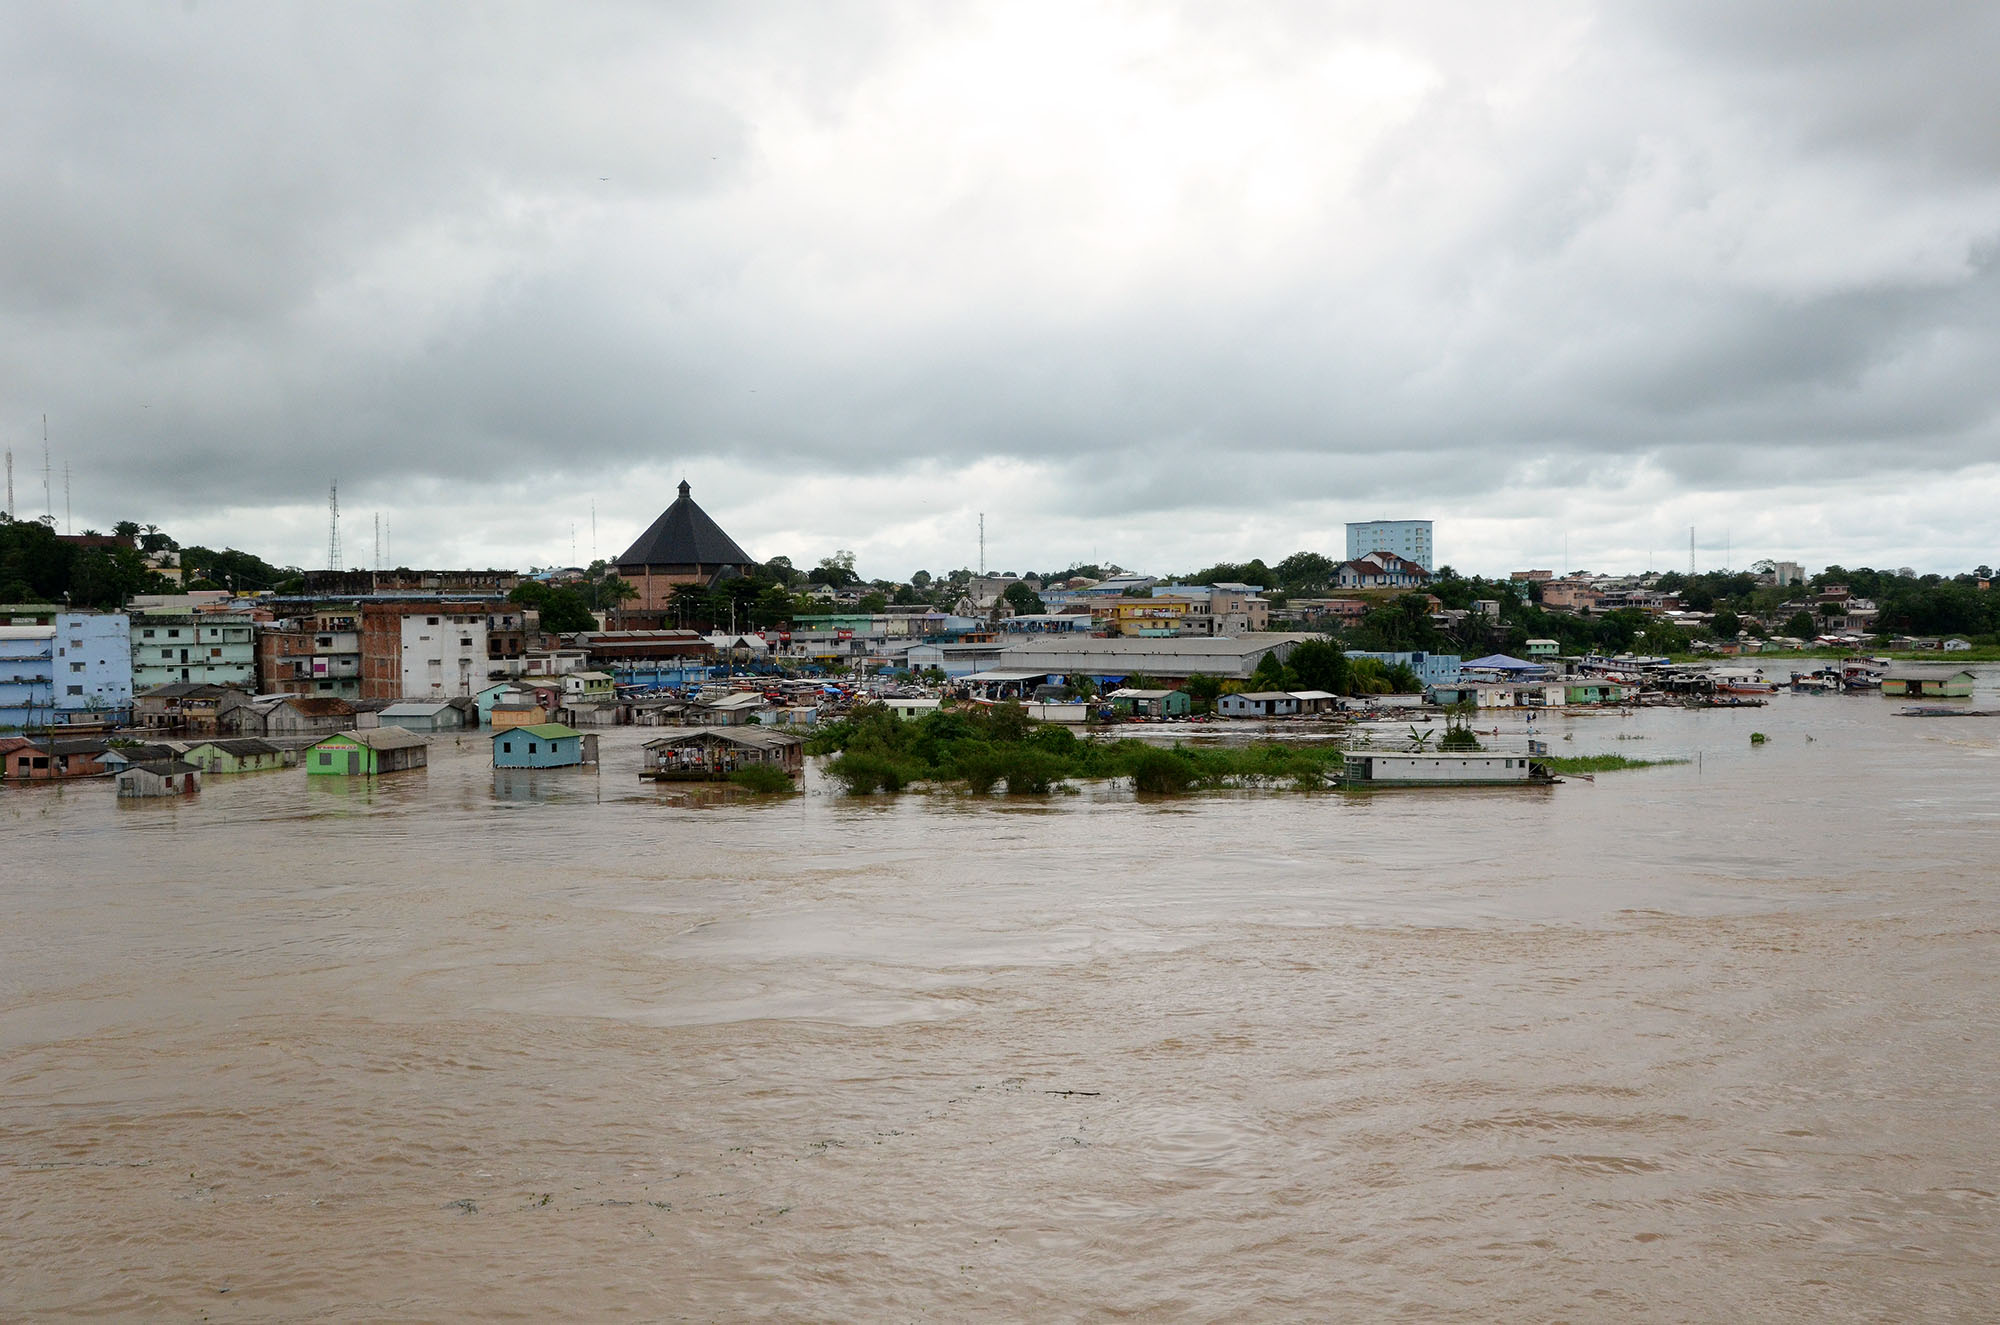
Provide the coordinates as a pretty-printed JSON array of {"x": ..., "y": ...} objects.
[{"x": 1707, "y": 1042}]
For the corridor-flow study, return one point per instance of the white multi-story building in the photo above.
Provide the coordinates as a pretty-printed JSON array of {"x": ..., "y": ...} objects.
[
  {"x": 1409, "y": 539},
  {"x": 444, "y": 652}
]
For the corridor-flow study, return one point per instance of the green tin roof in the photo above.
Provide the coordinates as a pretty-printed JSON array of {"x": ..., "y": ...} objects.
[{"x": 548, "y": 731}]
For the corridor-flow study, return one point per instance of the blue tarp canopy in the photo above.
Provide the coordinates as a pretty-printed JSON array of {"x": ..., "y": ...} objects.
[{"x": 1499, "y": 662}]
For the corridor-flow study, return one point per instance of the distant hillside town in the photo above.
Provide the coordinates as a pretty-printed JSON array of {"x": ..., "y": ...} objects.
[{"x": 132, "y": 627}]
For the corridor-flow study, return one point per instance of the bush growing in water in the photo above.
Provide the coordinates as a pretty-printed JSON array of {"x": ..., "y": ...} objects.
[
  {"x": 863, "y": 772},
  {"x": 764, "y": 779},
  {"x": 991, "y": 748},
  {"x": 1162, "y": 772}
]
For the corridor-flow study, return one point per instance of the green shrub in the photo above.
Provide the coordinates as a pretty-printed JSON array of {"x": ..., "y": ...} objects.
[
  {"x": 764, "y": 779},
  {"x": 1161, "y": 772},
  {"x": 862, "y": 773}
]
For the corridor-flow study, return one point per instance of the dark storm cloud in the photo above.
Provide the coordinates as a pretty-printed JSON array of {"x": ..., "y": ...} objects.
[{"x": 1430, "y": 258}]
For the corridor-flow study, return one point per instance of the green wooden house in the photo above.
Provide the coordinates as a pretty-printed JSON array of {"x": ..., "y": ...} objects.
[
  {"x": 1927, "y": 681},
  {"x": 240, "y": 754},
  {"x": 367, "y": 754}
]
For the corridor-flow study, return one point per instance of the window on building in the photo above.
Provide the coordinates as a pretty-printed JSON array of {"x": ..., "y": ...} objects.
[
  {"x": 147, "y": 635},
  {"x": 168, "y": 654},
  {"x": 173, "y": 634},
  {"x": 215, "y": 653},
  {"x": 430, "y": 621},
  {"x": 76, "y": 667},
  {"x": 76, "y": 690},
  {"x": 531, "y": 747},
  {"x": 507, "y": 746}
]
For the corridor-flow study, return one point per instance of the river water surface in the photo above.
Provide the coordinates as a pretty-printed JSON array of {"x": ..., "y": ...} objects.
[{"x": 1714, "y": 1041}]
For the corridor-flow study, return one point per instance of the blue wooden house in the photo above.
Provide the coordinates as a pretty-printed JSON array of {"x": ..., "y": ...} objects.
[{"x": 544, "y": 745}]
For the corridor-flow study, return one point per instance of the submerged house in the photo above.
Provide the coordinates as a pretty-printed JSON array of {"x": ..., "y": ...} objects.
[
  {"x": 1258, "y": 704},
  {"x": 1151, "y": 703},
  {"x": 732, "y": 710},
  {"x": 163, "y": 777},
  {"x": 289, "y": 715},
  {"x": 368, "y": 753},
  {"x": 121, "y": 757},
  {"x": 709, "y": 753},
  {"x": 50, "y": 760},
  {"x": 543, "y": 745},
  {"x": 423, "y": 715},
  {"x": 158, "y": 777},
  {"x": 1927, "y": 681},
  {"x": 239, "y": 754}
]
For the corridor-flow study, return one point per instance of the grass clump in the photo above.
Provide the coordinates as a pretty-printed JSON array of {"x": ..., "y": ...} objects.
[{"x": 1601, "y": 763}]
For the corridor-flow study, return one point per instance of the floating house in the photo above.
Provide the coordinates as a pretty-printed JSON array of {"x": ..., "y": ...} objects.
[
  {"x": 1258, "y": 704},
  {"x": 1151, "y": 703},
  {"x": 239, "y": 754},
  {"x": 543, "y": 745},
  {"x": 1927, "y": 681},
  {"x": 1371, "y": 768},
  {"x": 368, "y": 753},
  {"x": 709, "y": 754},
  {"x": 164, "y": 777}
]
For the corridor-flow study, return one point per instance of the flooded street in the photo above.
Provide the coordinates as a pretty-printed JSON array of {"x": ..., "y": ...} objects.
[{"x": 1714, "y": 1041}]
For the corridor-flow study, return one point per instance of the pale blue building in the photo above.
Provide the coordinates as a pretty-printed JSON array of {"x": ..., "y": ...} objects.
[
  {"x": 544, "y": 745},
  {"x": 1409, "y": 539},
  {"x": 63, "y": 667},
  {"x": 93, "y": 671},
  {"x": 1433, "y": 669},
  {"x": 27, "y": 673}
]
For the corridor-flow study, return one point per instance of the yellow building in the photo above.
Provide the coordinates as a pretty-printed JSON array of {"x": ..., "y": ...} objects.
[{"x": 1149, "y": 616}]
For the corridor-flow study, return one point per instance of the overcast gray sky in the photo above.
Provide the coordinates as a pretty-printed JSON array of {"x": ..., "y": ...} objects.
[{"x": 1150, "y": 283}]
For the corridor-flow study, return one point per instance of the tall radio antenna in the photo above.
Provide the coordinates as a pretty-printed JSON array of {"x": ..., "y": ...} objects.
[
  {"x": 10, "y": 484},
  {"x": 378, "y": 541},
  {"x": 48, "y": 493},
  {"x": 333, "y": 526},
  {"x": 982, "y": 545}
]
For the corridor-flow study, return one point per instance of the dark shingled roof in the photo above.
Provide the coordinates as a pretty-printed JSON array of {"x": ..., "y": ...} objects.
[{"x": 685, "y": 536}]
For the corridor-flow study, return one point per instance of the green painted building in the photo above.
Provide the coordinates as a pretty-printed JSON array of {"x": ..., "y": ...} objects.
[
  {"x": 239, "y": 754},
  {"x": 367, "y": 754}
]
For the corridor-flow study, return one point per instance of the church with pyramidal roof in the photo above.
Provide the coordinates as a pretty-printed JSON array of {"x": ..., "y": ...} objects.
[{"x": 683, "y": 546}]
